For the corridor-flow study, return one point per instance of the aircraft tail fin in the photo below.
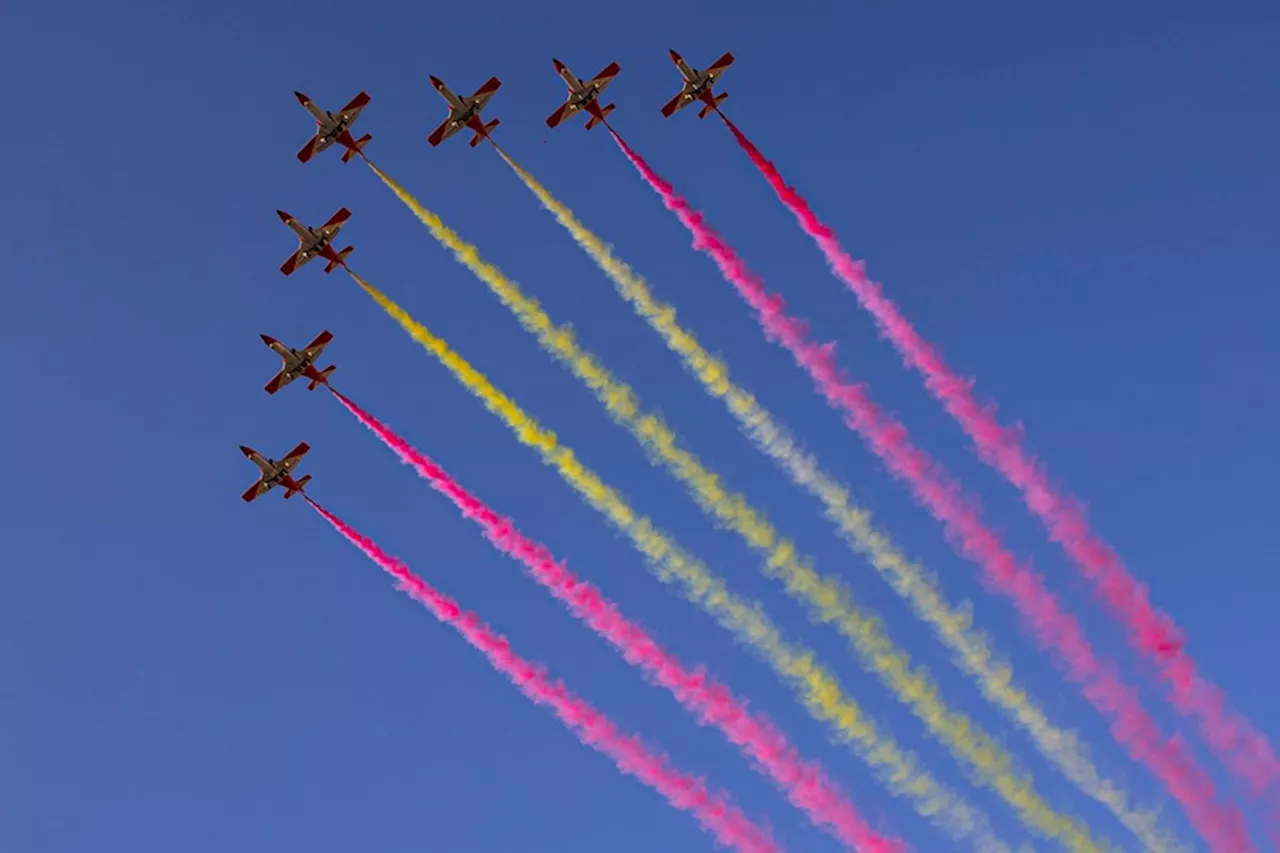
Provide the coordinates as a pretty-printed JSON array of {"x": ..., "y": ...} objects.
[
  {"x": 358, "y": 149},
  {"x": 596, "y": 119},
  {"x": 481, "y": 134},
  {"x": 341, "y": 259},
  {"x": 705, "y": 111},
  {"x": 299, "y": 483},
  {"x": 324, "y": 377}
]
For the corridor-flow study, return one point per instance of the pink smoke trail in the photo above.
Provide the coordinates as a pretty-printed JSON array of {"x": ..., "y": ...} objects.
[
  {"x": 806, "y": 786},
  {"x": 725, "y": 822},
  {"x": 1055, "y": 631},
  {"x": 1152, "y": 632}
]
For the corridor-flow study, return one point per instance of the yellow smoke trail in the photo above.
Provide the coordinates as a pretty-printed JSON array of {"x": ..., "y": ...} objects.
[
  {"x": 909, "y": 580},
  {"x": 829, "y": 600},
  {"x": 817, "y": 689}
]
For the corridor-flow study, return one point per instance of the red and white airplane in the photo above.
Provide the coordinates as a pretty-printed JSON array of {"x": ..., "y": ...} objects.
[
  {"x": 697, "y": 85},
  {"x": 299, "y": 363},
  {"x": 331, "y": 128},
  {"x": 316, "y": 242},
  {"x": 276, "y": 473},
  {"x": 584, "y": 96},
  {"x": 464, "y": 112}
]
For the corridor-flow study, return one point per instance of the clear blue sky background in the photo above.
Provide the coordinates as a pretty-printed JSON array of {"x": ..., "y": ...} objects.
[{"x": 1079, "y": 204}]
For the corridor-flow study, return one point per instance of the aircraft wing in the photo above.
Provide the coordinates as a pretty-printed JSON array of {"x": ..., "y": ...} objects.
[
  {"x": 485, "y": 92},
  {"x": 679, "y": 102},
  {"x": 605, "y": 77},
  {"x": 446, "y": 129},
  {"x": 295, "y": 456},
  {"x": 297, "y": 259},
  {"x": 314, "y": 146},
  {"x": 255, "y": 490},
  {"x": 331, "y": 228},
  {"x": 562, "y": 112},
  {"x": 317, "y": 346},
  {"x": 351, "y": 110},
  {"x": 718, "y": 67},
  {"x": 278, "y": 381}
]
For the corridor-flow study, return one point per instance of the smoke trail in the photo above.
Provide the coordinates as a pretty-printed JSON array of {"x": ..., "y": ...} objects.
[
  {"x": 828, "y": 599},
  {"x": 729, "y": 826},
  {"x": 1152, "y": 632},
  {"x": 1054, "y": 629},
  {"x": 952, "y": 624},
  {"x": 815, "y": 687},
  {"x": 806, "y": 785}
]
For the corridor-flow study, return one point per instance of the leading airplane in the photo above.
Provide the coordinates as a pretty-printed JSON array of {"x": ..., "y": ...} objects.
[
  {"x": 584, "y": 96},
  {"x": 299, "y": 363},
  {"x": 316, "y": 242},
  {"x": 697, "y": 85},
  {"x": 464, "y": 112},
  {"x": 276, "y": 473},
  {"x": 331, "y": 128}
]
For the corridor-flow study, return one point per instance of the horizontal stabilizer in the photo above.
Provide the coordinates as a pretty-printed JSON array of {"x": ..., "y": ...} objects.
[
  {"x": 324, "y": 377},
  {"x": 358, "y": 149},
  {"x": 341, "y": 259},
  {"x": 299, "y": 483},
  {"x": 596, "y": 119},
  {"x": 705, "y": 111},
  {"x": 483, "y": 132}
]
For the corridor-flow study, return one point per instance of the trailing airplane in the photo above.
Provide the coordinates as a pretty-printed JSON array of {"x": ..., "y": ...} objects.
[
  {"x": 316, "y": 242},
  {"x": 697, "y": 85},
  {"x": 464, "y": 112},
  {"x": 584, "y": 96},
  {"x": 299, "y": 363},
  {"x": 276, "y": 473},
  {"x": 331, "y": 128}
]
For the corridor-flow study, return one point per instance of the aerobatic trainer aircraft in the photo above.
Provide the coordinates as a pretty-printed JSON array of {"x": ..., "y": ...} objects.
[
  {"x": 697, "y": 85},
  {"x": 584, "y": 96},
  {"x": 298, "y": 363},
  {"x": 332, "y": 128},
  {"x": 316, "y": 242},
  {"x": 276, "y": 473},
  {"x": 464, "y": 112}
]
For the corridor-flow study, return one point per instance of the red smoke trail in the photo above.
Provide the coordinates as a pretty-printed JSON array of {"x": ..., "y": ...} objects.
[
  {"x": 805, "y": 784},
  {"x": 1055, "y": 630},
  {"x": 726, "y": 823},
  {"x": 1152, "y": 632}
]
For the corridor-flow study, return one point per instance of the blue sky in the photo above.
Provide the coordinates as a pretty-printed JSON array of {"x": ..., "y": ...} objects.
[{"x": 1078, "y": 204}]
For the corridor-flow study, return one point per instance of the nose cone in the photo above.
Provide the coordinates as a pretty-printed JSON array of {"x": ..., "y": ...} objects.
[
  {"x": 268, "y": 340},
  {"x": 675, "y": 57},
  {"x": 436, "y": 81},
  {"x": 246, "y": 451},
  {"x": 302, "y": 99},
  {"x": 284, "y": 217},
  {"x": 559, "y": 65}
]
